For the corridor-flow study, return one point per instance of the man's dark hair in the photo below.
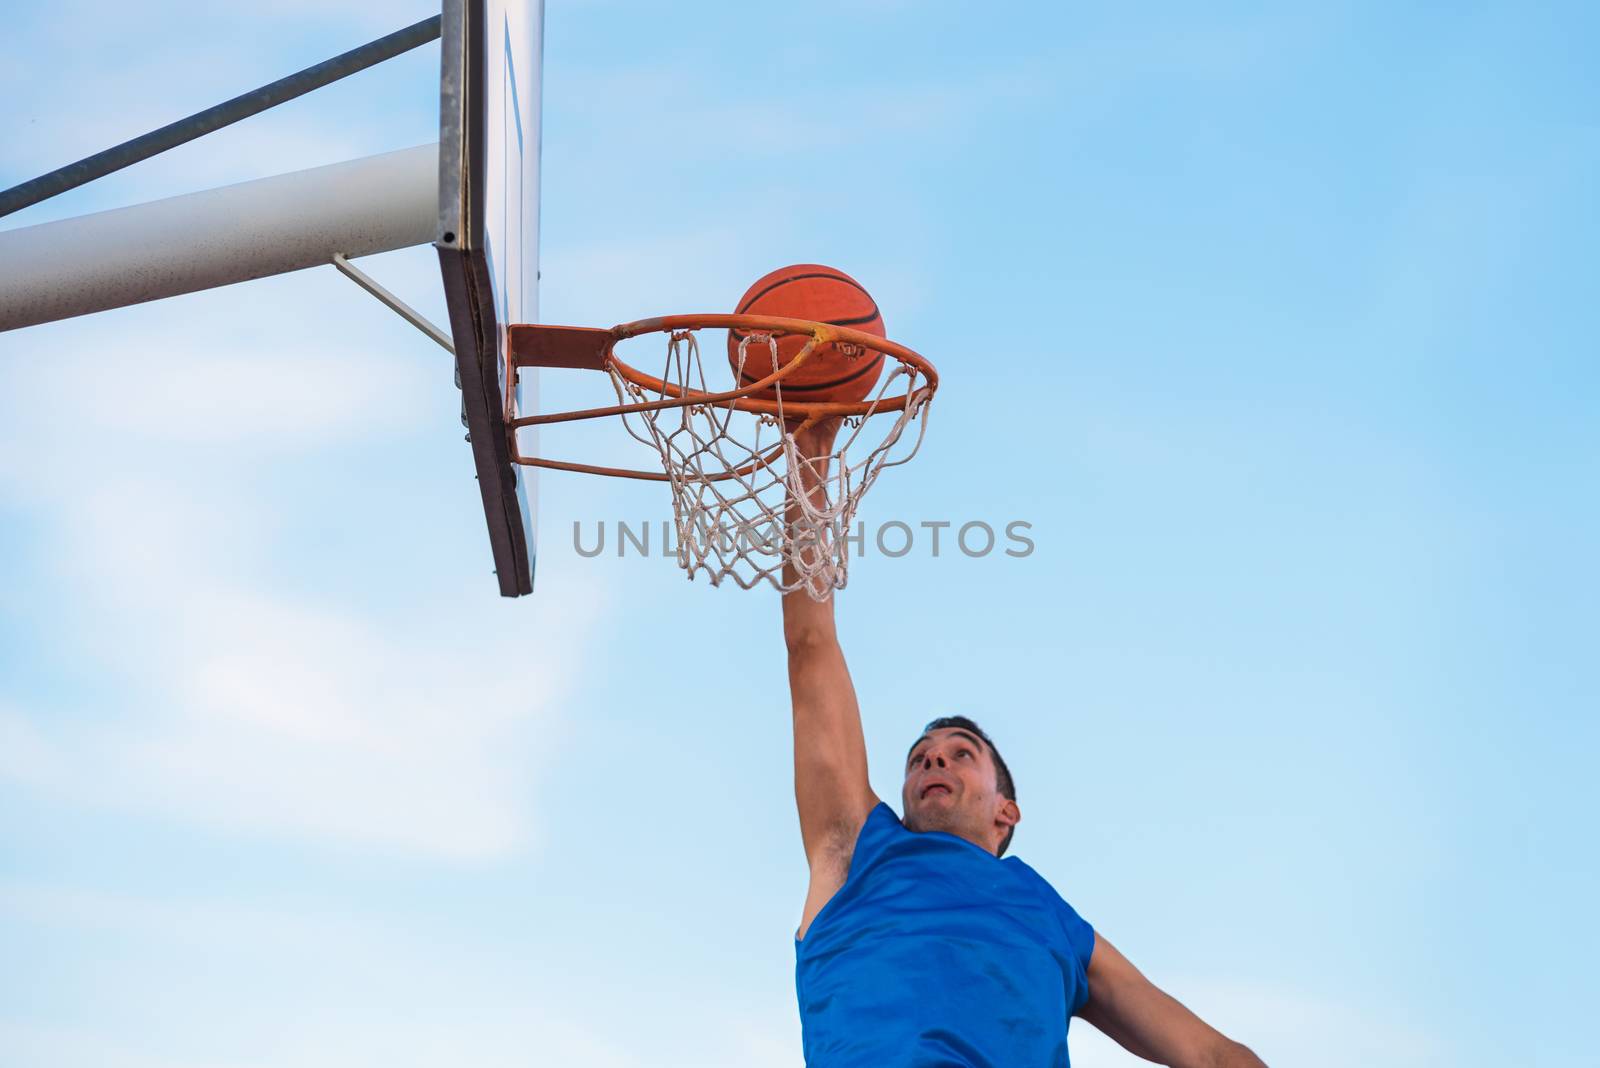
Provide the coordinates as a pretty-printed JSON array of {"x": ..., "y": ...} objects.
[{"x": 1002, "y": 774}]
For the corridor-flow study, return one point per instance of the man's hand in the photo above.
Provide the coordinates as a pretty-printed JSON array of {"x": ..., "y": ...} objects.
[
  {"x": 813, "y": 440},
  {"x": 813, "y": 446},
  {"x": 1150, "y": 1023}
]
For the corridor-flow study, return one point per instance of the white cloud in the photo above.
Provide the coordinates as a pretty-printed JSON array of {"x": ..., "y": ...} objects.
[
  {"x": 290, "y": 716},
  {"x": 34, "y": 1044},
  {"x": 158, "y": 453},
  {"x": 26, "y": 755},
  {"x": 521, "y": 1035},
  {"x": 208, "y": 370},
  {"x": 379, "y": 995},
  {"x": 297, "y": 398}
]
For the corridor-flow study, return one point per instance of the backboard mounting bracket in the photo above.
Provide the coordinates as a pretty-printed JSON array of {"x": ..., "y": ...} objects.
[
  {"x": 581, "y": 347},
  {"x": 393, "y": 303}
]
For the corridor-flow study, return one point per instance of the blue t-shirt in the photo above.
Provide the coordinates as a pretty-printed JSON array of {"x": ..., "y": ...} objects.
[{"x": 936, "y": 952}]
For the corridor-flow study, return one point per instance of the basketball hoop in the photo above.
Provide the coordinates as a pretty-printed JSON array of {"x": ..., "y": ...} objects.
[{"x": 745, "y": 502}]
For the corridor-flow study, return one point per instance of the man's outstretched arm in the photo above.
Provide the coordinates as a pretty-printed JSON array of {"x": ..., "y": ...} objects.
[
  {"x": 1150, "y": 1023},
  {"x": 830, "y": 752}
]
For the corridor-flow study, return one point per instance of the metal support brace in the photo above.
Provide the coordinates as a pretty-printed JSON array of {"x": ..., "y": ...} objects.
[
  {"x": 405, "y": 311},
  {"x": 212, "y": 119},
  {"x": 396, "y": 305}
]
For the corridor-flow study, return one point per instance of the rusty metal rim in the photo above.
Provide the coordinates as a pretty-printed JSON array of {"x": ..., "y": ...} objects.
[{"x": 799, "y": 415}]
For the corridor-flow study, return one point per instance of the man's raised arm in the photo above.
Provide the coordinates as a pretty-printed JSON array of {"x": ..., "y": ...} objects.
[{"x": 830, "y": 752}]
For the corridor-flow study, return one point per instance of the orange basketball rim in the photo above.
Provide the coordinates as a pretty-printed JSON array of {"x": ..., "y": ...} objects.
[
  {"x": 591, "y": 348},
  {"x": 748, "y": 504}
]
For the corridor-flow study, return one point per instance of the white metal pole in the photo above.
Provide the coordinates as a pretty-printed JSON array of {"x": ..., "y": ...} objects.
[{"x": 269, "y": 226}]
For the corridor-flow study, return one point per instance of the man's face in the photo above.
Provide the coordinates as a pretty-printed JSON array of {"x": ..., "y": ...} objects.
[{"x": 950, "y": 786}]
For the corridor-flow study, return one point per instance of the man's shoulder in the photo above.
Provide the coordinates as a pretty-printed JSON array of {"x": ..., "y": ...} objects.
[
  {"x": 1023, "y": 872},
  {"x": 1079, "y": 932}
]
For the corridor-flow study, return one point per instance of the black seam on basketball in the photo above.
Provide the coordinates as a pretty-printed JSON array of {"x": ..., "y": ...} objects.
[
  {"x": 851, "y": 282},
  {"x": 746, "y": 378},
  {"x": 874, "y": 317}
]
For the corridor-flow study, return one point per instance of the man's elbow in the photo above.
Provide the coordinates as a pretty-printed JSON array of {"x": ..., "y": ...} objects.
[{"x": 808, "y": 639}]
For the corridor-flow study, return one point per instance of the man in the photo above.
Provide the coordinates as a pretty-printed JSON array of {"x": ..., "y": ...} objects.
[{"x": 918, "y": 946}]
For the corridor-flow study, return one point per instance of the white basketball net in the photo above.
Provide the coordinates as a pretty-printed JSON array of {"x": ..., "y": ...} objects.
[{"x": 729, "y": 507}]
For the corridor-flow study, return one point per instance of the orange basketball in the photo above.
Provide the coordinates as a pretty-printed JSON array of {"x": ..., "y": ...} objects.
[{"x": 821, "y": 294}]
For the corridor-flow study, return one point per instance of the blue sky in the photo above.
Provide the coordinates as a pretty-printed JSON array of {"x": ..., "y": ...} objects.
[{"x": 1277, "y": 326}]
